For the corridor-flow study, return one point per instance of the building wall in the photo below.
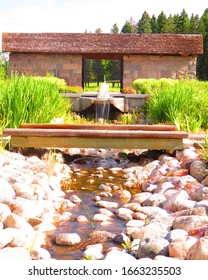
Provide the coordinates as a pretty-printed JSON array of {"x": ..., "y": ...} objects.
[
  {"x": 68, "y": 67},
  {"x": 157, "y": 66}
]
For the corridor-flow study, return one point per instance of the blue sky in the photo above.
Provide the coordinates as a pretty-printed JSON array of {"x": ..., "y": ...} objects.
[{"x": 82, "y": 15}]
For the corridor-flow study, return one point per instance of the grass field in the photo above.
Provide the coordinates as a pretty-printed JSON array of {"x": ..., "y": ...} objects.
[{"x": 93, "y": 87}]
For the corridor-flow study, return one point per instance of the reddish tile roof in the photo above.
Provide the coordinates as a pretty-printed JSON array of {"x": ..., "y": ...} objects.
[{"x": 85, "y": 43}]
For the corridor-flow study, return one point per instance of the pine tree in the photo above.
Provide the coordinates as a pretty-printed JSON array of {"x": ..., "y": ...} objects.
[
  {"x": 161, "y": 22},
  {"x": 129, "y": 27},
  {"x": 144, "y": 24},
  {"x": 170, "y": 26},
  {"x": 194, "y": 24},
  {"x": 153, "y": 23},
  {"x": 115, "y": 29},
  {"x": 184, "y": 23}
]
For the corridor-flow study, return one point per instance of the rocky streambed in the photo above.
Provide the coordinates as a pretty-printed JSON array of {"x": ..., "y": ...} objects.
[{"x": 104, "y": 205}]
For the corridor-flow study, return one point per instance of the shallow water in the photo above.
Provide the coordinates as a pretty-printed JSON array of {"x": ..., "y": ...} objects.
[{"x": 83, "y": 170}]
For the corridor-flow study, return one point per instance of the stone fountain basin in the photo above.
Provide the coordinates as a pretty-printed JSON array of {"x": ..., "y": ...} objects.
[{"x": 123, "y": 102}]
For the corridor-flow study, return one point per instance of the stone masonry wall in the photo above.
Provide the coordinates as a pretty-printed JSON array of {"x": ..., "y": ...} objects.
[
  {"x": 157, "y": 66},
  {"x": 68, "y": 67}
]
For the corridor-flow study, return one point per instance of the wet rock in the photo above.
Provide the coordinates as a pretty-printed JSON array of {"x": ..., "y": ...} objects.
[
  {"x": 67, "y": 239},
  {"x": 151, "y": 247},
  {"x": 13, "y": 254},
  {"x": 199, "y": 250},
  {"x": 45, "y": 226},
  {"x": 106, "y": 212},
  {"x": 124, "y": 195},
  {"x": 198, "y": 170},
  {"x": 139, "y": 216},
  {"x": 102, "y": 234},
  {"x": 104, "y": 188},
  {"x": 179, "y": 248},
  {"x": 124, "y": 213},
  {"x": 189, "y": 223},
  {"x": 75, "y": 199},
  {"x": 120, "y": 238},
  {"x": 100, "y": 218},
  {"x": 82, "y": 219},
  {"x": 106, "y": 204}
]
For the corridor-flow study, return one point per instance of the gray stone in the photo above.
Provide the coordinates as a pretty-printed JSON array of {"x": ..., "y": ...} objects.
[
  {"x": 198, "y": 170},
  {"x": 189, "y": 223},
  {"x": 151, "y": 247}
]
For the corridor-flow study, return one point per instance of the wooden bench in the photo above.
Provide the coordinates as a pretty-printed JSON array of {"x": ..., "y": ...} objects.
[{"x": 162, "y": 137}]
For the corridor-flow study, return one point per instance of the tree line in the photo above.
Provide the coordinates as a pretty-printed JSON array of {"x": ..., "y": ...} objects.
[{"x": 182, "y": 23}]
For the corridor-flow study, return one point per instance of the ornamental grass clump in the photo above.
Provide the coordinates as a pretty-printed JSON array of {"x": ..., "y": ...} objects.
[
  {"x": 27, "y": 100},
  {"x": 183, "y": 104}
]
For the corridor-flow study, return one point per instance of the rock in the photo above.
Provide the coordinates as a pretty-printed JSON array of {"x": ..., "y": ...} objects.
[
  {"x": 179, "y": 248},
  {"x": 124, "y": 213},
  {"x": 186, "y": 154},
  {"x": 120, "y": 238},
  {"x": 155, "y": 229},
  {"x": 135, "y": 223},
  {"x": 82, "y": 219},
  {"x": 205, "y": 181},
  {"x": 40, "y": 254},
  {"x": 29, "y": 209},
  {"x": 140, "y": 197},
  {"x": 14, "y": 254},
  {"x": 75, "y": 199},
  {"x": 106, "y": 212},
  {"x": 124, "y": 195},
  {"x": 100, "y": 218},
  {"x": 171, "y": 202},
  {"x": 15, "y": 221},
  {"x": 119, "y": 256},
  {"x": 168, "y": 160},
  {"x": 93, "y": 252},
  {"x": 151, "y": 247},
  {"x": 189, "y": 223},
  {"x": 23, "y": 188},
  {"x": 5, "y": 238},
  {"x": 199, "y": 250},
  {"x": 106, "y": 204},
  {"x": 67, "y": 239},
  {"x": 104, "y": 188},
  {"x": 175, "y": 234},
  {"x": 162, "y": 188},
  {"x": 102, "y": 234},
  {"x": 198, "y": 170},
  {"x": 200, "y": 211},
  {"x": 45, "y": 226},
  {"x": 4, "y": 212},
  {"x": 6, "y": 190},
  {"x": 155, "y": 199},
  {"x": 152, "y": 212}
]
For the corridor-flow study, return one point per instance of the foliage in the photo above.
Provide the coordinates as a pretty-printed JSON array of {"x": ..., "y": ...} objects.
[
  {"x": 205, "y": 150},
  {"x": 30, "y": 100},
  {"x": 183, "y": 103},
  {"x": 129, "y": 118},
  {"x": 129, "y": 90},
  {"x": 147, "y": 86}
]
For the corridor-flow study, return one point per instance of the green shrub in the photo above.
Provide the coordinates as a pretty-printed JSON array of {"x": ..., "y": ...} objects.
[{"x": 29, "y": 100}]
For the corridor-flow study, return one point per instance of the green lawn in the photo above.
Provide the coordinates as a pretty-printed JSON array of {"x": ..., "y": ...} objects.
[{"x": 93, "y": 87}]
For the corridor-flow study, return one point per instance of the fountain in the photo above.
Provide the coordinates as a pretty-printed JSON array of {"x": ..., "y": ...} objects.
[{"x": 102, "y": 103}]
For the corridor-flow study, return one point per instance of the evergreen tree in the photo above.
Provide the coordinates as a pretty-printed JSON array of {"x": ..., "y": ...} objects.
[
  {"x": 170, "y": 26},
  {"x": 115, "y": 29},
  {"x": 161, "y": 22},
  {"x": 194, "y": 24},
  {"x": 184, "y": 23},
  {"x": 153, "y": 23},
  {"x": 144, "y": 24},
  {"x": 129, "y": 27}
]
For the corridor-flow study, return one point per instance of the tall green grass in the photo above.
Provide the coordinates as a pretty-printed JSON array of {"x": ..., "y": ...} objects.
[
  {"x": 27, "y": 100},
  {"x": 184, "y": 103}
]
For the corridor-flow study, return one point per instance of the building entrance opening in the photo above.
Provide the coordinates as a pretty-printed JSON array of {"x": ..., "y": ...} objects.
[{"x": 96, "y": 71}]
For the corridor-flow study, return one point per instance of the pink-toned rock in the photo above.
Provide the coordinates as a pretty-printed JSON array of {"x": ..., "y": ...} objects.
[
  {"x": 15, "y": 221},
  {"x": 4, "y": 211},
  {"x": 199, "y": 250},
  {"x": 170, "y": 202},
  {"x": 189, "y": 223},
  {"x": 179, "y": 248},
  {"x": 67, "y": 238},
  {"x": 198, "y": 170}
]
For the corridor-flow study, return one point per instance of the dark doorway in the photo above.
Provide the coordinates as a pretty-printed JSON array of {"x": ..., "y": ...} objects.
[{"x": 96, "y": 71}]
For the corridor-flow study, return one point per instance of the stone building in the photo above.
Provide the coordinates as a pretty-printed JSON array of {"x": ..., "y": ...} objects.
[{"x": 142, "y": 55}]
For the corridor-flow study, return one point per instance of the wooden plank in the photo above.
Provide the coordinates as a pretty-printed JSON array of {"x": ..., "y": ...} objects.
[
  {"x": 101, "y": 127},
  {"x": 94, "y": 134},
  {"x": 105, "y": 143}
]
